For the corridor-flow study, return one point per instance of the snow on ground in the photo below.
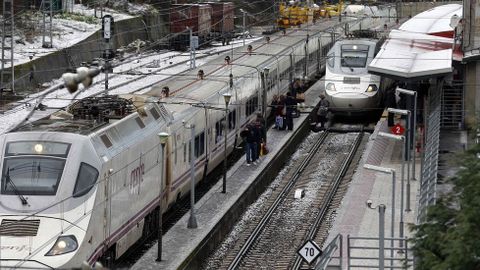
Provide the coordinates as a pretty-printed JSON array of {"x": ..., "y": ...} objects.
[
  {"x": 65, "y": 32},
  {"x": 123, "y": 72}
]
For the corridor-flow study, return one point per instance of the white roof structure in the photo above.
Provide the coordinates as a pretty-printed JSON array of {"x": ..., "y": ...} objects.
[{"x": 422, "y": 47}]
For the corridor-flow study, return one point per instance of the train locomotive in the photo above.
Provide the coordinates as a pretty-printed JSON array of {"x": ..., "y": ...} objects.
[
  {"x": 83, "y": 185},
  {"x": 348, "y": 86}
]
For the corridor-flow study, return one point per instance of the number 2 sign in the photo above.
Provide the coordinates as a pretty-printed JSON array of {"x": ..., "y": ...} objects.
[{"x": 397, "y": 129}]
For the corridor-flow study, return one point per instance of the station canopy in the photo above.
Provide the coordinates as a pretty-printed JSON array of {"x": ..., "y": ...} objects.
[{"x": 422, "y": 46}]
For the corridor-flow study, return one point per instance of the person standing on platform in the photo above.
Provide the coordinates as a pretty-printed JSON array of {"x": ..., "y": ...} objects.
[
  {"x": 290, "y": 105},
  {"x": 248, "y": 134},
  {"x": 322, "y": 112},
  {"x": 280, "y": 112},
  {"x": 263, "y": 127}
]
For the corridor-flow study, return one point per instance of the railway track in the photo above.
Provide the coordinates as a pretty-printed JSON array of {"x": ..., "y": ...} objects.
[{"x": 270, "y": 239}]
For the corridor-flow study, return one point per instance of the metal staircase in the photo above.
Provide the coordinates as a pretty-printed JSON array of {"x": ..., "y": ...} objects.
[
  {"x": 7, "y": 71},
  {"x": 452, "y": 106}
]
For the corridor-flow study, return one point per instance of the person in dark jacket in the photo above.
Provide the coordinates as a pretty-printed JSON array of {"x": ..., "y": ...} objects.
[
  {"x": 290, "y": 105},
  {"x": 258, "y": 138},
  {"x": 263, "y": 127},
  {"x": 322, "y": 112},
  {"x": 248, "y": 134}
]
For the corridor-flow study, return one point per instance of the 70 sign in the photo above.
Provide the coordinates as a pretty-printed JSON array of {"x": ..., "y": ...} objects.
[{"x": 309, "y": 251}]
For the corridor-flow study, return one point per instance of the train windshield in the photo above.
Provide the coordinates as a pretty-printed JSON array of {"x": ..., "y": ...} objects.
[
  {"x": 354, "y": 56},
  {"x": 33, "y": 167}
]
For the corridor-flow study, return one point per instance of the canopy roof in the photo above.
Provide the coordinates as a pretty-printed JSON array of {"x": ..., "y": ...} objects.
[{"x": 422, "y": 47}]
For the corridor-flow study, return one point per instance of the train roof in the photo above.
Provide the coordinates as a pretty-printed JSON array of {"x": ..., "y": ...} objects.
[{"x": 89, "y": 115}]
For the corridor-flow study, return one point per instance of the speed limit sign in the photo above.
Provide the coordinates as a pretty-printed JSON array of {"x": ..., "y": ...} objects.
[{"x": 309, "y": 251}]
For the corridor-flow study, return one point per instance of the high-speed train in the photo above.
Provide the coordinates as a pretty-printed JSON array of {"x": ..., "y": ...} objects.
[
  {"x": 84, "y": 184},
  {"x": 348, "y": 86}
]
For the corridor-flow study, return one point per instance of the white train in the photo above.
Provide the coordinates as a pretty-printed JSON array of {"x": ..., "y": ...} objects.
[
  {"x": 348, "y": 86},
  {"x": 83, "y": 185}
]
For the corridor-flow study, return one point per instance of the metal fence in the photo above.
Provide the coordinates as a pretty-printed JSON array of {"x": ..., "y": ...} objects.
[
  {"x": 364, "y": 253},
  {"x": 428, "y": 177}
]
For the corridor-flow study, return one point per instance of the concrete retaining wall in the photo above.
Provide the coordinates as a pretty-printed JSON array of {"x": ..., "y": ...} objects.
[{"x": 46, "y": 68}]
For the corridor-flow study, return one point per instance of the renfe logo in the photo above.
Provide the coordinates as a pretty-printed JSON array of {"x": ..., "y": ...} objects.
[
  {"x": 14, "y": 248},
  {"x": 136, "y": 177}
]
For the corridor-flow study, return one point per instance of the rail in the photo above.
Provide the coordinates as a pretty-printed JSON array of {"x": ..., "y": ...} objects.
[
  {"x": 261, "y": 225},
  {"x": 330, "y": 194}
]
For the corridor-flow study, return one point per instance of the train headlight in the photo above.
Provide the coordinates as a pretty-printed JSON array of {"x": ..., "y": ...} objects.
[
  {"x": 372, "y": 88},
  {"x": 64, "y": 244},
  {"x": 331, "y": 87}
]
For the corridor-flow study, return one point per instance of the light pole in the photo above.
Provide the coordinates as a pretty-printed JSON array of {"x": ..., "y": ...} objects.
[
  {"x": 264, "y": 75},
  {"x": 414, "y": 125},
  {"x": 381, "y": 233},
  {"x": 407, "y": 149},
  {"x": 243, "y": 34},
  {"x": 402, "y": 192},
  {"x": 226, "y": 97},
  {"x": 192, "y": 221},
  {"x": 392, "y": 172},
  {"x": 192, "y": 48},
  {"x": 163, "y": 136}
]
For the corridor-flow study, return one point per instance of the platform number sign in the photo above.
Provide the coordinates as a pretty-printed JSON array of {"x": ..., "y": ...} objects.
[
  {"x": 310, "y": 251},
  {"x": 397, "y": 129}
]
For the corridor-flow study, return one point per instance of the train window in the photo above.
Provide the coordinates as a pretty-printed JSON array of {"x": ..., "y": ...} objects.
[
  {"x": 190, "y": 151},
  {"x": 219, "y": 131},
  {"x": 86, "y": 179},
  {"x": 139, "y": 122},
  {"x": 232, "y": 119},
  {"x": 199, "y": 144},
  {"x": 354, "y": 55},
  {"x": 184, "y": 152},
  {"x": 154, "y": 113},
  {"x": 55, "y": 149},
  {"x": 251, "y": 105},
  {"x": 106, "y": 141},
  {"x": 331, "y": 60},
  {"x": 31, "y": 175},
  {"x": 175, "y": 149}
]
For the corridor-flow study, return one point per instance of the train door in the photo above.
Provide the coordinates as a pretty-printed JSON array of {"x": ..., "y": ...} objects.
[
  {"x": 305, "y": 59},
  {"x": 319, "y": 54},
  {"x": 107, "y": 204},
  {"x": 170, "y": 157},
  {"x": 208, "y": 139}
]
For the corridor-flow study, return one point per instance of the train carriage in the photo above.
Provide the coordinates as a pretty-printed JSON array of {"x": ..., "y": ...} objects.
[
  {"x": 349, "y": 87},
  {"x": 85, "y": 188}
]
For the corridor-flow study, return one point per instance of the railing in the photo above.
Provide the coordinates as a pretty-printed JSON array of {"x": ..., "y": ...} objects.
[
  {"x": 428, "y": 177},
  {"x": 364, "y": 253},
  {"x": 329, "y": 258}
]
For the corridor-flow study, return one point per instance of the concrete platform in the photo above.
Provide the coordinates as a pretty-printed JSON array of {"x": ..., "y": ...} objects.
[
  {"x": 355, "y": 219},
  {"x": 217, "y": 212}
]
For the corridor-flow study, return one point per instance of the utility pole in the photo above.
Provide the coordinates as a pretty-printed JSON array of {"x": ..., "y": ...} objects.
[
  {"x": 107, "y": 29},
  {"x": 7, "y": 74},
  {"x": 47, "y": 10},
  {"x": 193, "y": 44},
  {"x": 243, "y": 11}
]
